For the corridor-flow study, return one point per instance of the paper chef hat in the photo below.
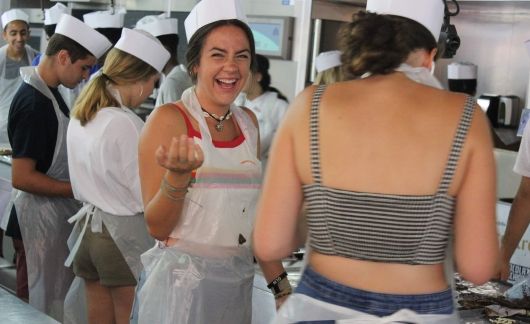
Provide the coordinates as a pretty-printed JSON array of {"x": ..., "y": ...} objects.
[
  {"x": 52, "y": 15},
  {"x": 158, "y": 25},
  {"x": 209, "y": 11},
  {"x": 429, "y": 13},
  {"x": 462, "y": 71},
  {"x": 327, "y": 60},
  {"x": 144, "y": 46},
  {"x": 75, "y": 29},
  {"x": 12, "y": 15},
  {"x": 104, "y": 19}
]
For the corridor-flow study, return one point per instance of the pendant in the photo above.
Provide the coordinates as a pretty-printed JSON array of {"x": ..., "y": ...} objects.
[{"x": 219, "y": 127}]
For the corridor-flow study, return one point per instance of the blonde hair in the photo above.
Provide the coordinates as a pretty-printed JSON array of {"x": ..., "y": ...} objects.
[
  {"x": 120, "y": 68},
  {"x": 329, "y": 76}
]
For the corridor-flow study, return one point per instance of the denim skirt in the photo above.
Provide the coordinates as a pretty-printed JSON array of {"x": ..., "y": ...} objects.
[{"x": 318, "y": 287}]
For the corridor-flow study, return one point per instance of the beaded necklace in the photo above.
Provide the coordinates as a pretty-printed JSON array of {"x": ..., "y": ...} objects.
[{"x": 219, "y": 119}]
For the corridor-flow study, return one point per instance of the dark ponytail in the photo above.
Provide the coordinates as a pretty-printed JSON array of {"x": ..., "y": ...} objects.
[
  {"x": 265, "y": 82},
  {"x": 378, "y": 44}
]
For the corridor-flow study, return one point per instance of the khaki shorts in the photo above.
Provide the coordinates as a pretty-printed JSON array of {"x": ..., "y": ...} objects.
[{"x": 98, "y": 258}]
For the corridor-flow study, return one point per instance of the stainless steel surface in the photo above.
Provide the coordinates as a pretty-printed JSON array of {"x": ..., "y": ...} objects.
[{"x": 15, "y": 311}]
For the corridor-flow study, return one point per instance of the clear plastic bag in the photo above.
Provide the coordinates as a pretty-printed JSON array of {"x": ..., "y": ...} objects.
[{"x": 519, "y": 290}]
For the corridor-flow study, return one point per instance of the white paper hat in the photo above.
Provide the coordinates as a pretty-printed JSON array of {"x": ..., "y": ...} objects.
[
  {"x": 12, "y": 15},
  {"x": 209, "y": 11},
  {"x": 158, "y": 25},
  {"x": 327, "y": 60},
  {"x": 462, "y": 71},
  {"x": 429, "y": 13},
  {"x": 104, "y": 19},
  {"x": 53, "y": 14},
  {"x": 75, "y": 29},
  {"x": 144, "y": 46}
]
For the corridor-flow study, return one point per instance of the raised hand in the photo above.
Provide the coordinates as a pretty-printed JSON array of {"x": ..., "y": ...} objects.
[{"x": 182, "y": 156}]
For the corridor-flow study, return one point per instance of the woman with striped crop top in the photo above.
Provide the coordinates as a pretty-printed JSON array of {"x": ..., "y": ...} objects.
[{"x": 390, "y": 169}]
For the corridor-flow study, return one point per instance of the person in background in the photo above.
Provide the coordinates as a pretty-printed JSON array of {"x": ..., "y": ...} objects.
[
  {"x": 267, "y": 103},
  {"x": 200, "y": 175},
  {"x": 107, "y": 22},
  {"x": 102, "y": 143},
  {"x": 14, "y": 55},
  {"x": 38, "y": 118},
  {"x": 176, "y": 78},
  {"x": 390, "y": 170},
  {"x": 51, "y": 18},
  {"x": 519, "y": 216},
  {"x": 328, "y": 66}
]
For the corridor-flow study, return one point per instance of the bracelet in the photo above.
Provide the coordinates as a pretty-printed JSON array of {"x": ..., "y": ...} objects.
[
  {"x": 170, "y": 188},
  {"x": 283, "y": 293},
  {"x": 168, "y": 195},
  {"x": 274, "y": 285}
]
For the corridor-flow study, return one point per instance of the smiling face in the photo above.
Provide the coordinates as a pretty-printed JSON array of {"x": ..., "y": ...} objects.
[
  {"x": 16, "y": 35},
  {"x": 223, "y": 67}
]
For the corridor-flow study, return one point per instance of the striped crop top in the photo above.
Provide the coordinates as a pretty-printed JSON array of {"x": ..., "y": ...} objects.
[{"x": 393, "y": 228}]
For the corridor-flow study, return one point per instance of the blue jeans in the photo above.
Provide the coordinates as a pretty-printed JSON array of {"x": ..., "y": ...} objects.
[{"x": 317, "y": 286}]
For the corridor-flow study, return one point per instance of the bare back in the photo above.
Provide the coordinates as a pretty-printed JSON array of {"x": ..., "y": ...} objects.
[{"x": 390, "y": 135}]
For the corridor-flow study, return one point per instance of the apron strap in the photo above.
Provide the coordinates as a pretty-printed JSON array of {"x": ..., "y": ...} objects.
[{"x": 87, "y": 212}]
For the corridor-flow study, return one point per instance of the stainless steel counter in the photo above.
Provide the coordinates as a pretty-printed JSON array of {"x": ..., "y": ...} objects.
[{"x": 15, "y": 311}]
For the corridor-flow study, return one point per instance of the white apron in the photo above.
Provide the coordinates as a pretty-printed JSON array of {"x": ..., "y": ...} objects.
[
  {"x": 43, "y": 222},
  {"x": 8, "y": 88},
  {"x": 131, "y": 237},
  {"x": 207, "y": 276},
  {"x": 299, "y": 307}
]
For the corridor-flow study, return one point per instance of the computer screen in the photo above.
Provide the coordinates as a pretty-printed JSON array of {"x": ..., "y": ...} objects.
[{"x": 272, "y": 35}]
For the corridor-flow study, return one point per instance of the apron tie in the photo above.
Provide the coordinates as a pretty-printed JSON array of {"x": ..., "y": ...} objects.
[
  {"x": 401, "y": 316},
  {"x": 87, "y": 212}
]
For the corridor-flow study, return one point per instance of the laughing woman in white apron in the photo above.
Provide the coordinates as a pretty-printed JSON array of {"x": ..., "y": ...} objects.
[
  {"x": 38, "y": 119},
  {"x": 102, "y": 143},
  {"x": 201, "y": 176},
  {"x": 390, "y": 170}
]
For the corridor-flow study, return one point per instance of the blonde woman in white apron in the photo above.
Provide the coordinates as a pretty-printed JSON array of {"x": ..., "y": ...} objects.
[
  {"x": 201, "y": 177},
  {"x": 389, "y": 167},
  {"x": 103, "y": 154},
  {"x": 44, "y": 199}
]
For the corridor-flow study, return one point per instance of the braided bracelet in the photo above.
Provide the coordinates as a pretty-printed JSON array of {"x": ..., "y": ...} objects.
[
  {"x": 170, "y": 188},
  {"x": 168, "y": 195}
]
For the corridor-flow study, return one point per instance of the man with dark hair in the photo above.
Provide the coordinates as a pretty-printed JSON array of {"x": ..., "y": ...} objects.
[
  {"x": 38, "y": 119},
  {"x": 14, "y": 55}
]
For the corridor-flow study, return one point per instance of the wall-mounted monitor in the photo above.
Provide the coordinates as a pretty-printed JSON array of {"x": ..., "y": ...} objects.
[{"x": 273, "y": 35}]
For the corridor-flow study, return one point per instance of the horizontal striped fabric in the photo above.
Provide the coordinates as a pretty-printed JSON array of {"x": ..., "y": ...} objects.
[{"x": 407, "y": 229}]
